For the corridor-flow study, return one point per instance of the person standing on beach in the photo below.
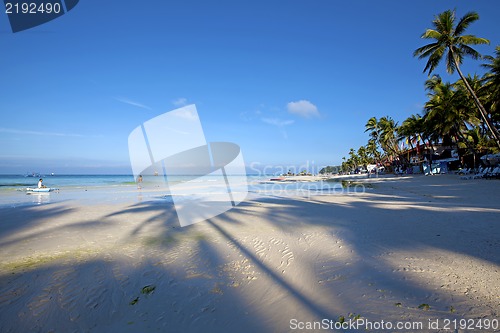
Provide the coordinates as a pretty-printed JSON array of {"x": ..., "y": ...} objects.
[{"x": 139, "y": 182}]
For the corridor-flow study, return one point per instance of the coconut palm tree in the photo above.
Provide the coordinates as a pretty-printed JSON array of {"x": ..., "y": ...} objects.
[
  {"x": 387, "y": 135},
  {"x": 354, "y": 158},
  {"x": 364, "y": 158},
  {"x": 406, "y": 132},
  {"x": 446, "y": 112},
  {"x": 491, "y": 82},
  {"x": 440, "y": 111},
  {"x": 372, "y": 151},
  {"x": 474, "y": 142},
  {"x": 411, "y": 130},
  {"x": 373, "y": 126},
  {"x": 451, "y": 43}
]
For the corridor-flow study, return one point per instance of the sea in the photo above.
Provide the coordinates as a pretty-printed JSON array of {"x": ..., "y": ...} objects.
[{"x": 96, "y": 189}]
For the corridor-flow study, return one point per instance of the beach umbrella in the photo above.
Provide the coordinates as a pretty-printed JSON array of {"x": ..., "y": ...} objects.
[{"x": 490, "y": 157}]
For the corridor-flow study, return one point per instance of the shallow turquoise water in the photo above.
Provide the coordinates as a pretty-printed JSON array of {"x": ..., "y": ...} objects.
[{"x": 95, "y": 189}]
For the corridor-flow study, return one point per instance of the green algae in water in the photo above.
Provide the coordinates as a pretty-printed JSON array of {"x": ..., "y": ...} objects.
[{"x": 146, "y": 290}]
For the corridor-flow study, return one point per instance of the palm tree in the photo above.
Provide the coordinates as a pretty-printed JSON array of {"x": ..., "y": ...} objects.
[
  {"x": 474, "y": 142},
  {"x": 372, "y": 151},
  {"x": 387, "y": 135},
  {"x": 364, "y": 159},
  {"x": 450, "y": 40},
  {"x": 354, "y": 158},
  {"x": 406, "y": 132},
  {"x": 441, "y": 111},
  {"x": 411, "y": 130},
  {"x": 373, "y": 126},
  {"x": 492, "y": 84},
  {"x": 446, "y": 113}
]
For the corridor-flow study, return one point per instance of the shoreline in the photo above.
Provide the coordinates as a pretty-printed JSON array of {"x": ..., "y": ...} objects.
[{"x": 414, "y": 248}]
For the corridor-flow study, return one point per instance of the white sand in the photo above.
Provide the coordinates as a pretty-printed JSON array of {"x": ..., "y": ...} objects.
[{"x": 408, "y": 242}]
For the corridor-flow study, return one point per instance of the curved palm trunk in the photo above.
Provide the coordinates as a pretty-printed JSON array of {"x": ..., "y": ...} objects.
[{"x": 482, "y": 110}]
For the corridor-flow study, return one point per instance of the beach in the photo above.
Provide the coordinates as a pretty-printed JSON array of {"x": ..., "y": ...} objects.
[{"x": 411, "y": 250}]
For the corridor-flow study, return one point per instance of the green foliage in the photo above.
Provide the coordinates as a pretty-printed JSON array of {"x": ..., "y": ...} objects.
[
  {"x": 354, "y": 316},
  {"x": 330, "y": 169},
  {"x": 448, "y": 41},
  {"x": 146, "y": 290},
  {"x": 351, "y": 315},
  {"x": 450, "y": 116},
  {"x": 491, "y": 85},
  {"x": 424, "y": 306}
]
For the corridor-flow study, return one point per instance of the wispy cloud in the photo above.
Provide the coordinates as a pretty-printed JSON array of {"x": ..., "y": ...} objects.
[
  {"x": 27, "y": 132},
  {"x": 280, "y": 123},
  {"x": 303, "y": 108},
  {"x": 277, "y": 122},
  {"x": 181, "y": 101},
  {"x": 133, "y": 103}
]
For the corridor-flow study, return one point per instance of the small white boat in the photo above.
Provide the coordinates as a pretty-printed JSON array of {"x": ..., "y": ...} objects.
[{"x": 40, "y": 190}]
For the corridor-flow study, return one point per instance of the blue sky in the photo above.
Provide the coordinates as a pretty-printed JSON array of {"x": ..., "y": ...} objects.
[{"x": 291, "y": 82}]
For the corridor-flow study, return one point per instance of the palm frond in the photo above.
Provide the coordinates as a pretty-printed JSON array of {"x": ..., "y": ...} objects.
[
  {"x": 465, "y": 49},
  {"x": 444, "y": 21},
  {"x": 472, "y": 40},
  {"x": 431, "y": 33},
  {"x": 434, "y": 59},
  {"x": 450, "y": 61},
  {"x": 465, "y": 21},
  {"x": 431, "y": 83}
]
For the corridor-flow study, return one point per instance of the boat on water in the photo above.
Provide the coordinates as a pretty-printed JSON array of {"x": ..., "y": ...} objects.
[
  {"x": 280, "y": 179},
  {"x": 40, "y": 190},
  {"x": 33, "y": 174},
  {"x": 283, "y": 179}
]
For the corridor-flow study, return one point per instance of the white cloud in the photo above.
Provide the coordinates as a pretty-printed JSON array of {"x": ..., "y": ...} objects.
[
  {"x": 277, "y": 122},
  {"x": 27, "y": 132},
  {"x": 303, "y": 108},
  {"x": 133, "y": 103},
  {"x": 180, "y": 101}
]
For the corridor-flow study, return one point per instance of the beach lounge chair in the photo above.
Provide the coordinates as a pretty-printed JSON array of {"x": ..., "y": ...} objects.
[
  {"x": 482, "y": 173},
  {"x": 493, "y": 173},
  {"x": 470, "y": 174},
  {"x": 497, "y": 175},
  {"x": 465, "y": 173}
]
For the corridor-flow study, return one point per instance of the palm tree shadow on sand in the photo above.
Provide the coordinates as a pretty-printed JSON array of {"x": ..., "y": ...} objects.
[{"x": 260, "y": 265}]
